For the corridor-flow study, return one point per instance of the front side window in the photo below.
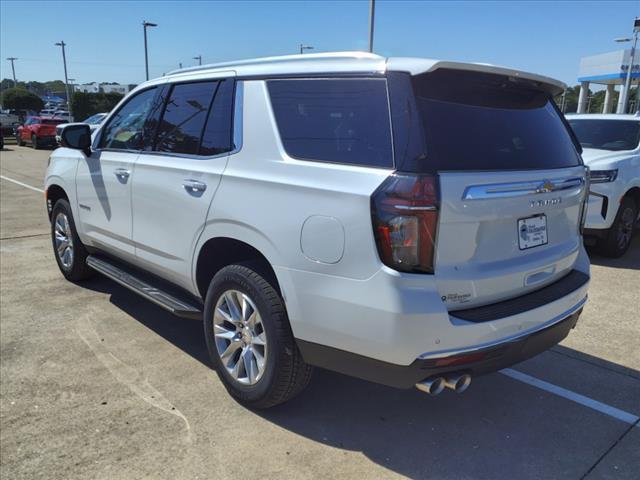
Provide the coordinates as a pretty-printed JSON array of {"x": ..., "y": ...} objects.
[
  {"x": 125, "y": 129},
  {"x": 184, "y": 117},
  {"x": 94, "y": 119},
  {"x": 334, "y": 120},
  {"x": 612, "y": 135}
]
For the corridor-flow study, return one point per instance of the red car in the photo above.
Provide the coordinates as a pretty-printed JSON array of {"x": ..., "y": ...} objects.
[{"x": 38, "y": 131}]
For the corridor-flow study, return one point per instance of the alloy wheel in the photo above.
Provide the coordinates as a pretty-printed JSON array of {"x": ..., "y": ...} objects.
[
  {"x": 63, "y": 240},
  {"x": 240, "y": 337},
  {"x": 625, "y": 227}
]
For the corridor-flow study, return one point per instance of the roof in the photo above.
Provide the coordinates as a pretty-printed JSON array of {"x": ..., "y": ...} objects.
[
  {"x": 343, "y": 62},
  {"x": 603, "y": 116}
]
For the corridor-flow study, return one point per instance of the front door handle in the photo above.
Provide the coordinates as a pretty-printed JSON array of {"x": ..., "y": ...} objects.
[
  {"x": 122, "y": 174},
  {"x": 194, "y": 186}
]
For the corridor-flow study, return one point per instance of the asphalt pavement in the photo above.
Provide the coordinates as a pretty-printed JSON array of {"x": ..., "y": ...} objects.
[{"x": 98, "y": 383}]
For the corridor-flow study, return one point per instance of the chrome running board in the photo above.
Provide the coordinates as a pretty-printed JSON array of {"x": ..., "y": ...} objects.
[{"x": 170, "y": 302}]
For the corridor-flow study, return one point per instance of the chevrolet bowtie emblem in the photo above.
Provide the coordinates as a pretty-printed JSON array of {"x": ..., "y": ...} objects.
[{"x": 545, "y": 187}]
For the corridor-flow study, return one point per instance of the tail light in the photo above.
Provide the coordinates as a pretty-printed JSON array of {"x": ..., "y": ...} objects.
[{"x": 405, "y": 217}]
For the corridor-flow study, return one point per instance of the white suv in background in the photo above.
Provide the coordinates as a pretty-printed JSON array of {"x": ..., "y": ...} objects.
[
  {"x": 611, "y": 146},
  {"x": 93, "y": 121},
  {"x": 403, "y": 220}
]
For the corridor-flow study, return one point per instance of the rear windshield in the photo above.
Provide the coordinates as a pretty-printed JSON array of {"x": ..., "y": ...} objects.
[
  {"x": 611, "y": 135},
  {"x": 478, "y": 121}
]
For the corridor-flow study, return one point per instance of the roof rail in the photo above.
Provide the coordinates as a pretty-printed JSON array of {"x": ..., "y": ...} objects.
[{"x": 276, "y": 59}]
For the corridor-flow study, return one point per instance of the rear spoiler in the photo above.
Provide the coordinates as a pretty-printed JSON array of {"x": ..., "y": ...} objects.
[{"x": 417, "y": 66}]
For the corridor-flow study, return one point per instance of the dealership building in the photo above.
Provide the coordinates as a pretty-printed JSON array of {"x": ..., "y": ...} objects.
[{"x": 609, "y": 69}]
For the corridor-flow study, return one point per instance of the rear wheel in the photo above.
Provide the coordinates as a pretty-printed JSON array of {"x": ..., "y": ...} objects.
[
  {"x": 249, "y": 339},
  {"x": 71, "y": 254},
  {"x": 618, "y": 237}
]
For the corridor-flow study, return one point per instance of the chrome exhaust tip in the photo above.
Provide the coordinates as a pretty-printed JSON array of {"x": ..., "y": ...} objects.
[
  {"x": 458, "y": 383},
  {"x": 433, "y": 386}
]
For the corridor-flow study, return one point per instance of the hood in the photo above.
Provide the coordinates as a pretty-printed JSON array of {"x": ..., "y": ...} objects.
[{"x": 595, "y": 158}]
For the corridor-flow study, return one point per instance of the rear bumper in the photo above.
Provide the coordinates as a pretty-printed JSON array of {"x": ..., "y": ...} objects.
[
  {"x": 477, "y": 360},
  {"x": 47, "y": 140}
]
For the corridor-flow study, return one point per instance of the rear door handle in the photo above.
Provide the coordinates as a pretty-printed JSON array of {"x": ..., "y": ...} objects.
[
  {"x": 194, "y": 186},
  {"x": 122, "y": 173}
]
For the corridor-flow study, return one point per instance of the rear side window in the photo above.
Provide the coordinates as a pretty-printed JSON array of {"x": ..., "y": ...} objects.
[
  {"x": 217, "y": 136},
  {"x": 184, "y": 117},
  {"x": 334, "y": 120},
  {"x": 479, "y": 121}
]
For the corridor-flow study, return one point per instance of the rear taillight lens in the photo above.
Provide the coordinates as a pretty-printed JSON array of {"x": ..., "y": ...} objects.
[{"x": 405, "y": 217}]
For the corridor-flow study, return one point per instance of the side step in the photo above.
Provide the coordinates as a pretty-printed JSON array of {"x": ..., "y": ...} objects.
[{"x": 161, "y": 298}]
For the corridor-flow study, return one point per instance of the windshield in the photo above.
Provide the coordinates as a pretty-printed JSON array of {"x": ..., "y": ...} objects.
[
  {"x": 611, "y": 135},
  {"x": 478, "y": 121}
]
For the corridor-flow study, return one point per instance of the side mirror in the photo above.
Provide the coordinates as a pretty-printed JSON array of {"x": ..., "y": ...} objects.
[{"x": 78, "y": 137}]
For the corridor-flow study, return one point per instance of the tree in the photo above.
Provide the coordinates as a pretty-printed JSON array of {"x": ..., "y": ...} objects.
[
  {"x": 21, "y": 99},
  {"x": 84, "y": 105}
]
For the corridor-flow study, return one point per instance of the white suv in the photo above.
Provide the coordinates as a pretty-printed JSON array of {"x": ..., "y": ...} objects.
[
  {"x": 612, "y": 152},
  {"x": 403, "y": 220}
]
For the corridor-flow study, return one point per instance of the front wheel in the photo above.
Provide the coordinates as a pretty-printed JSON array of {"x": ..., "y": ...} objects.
[
  {"x": 34, "y": 142},
  {"x": 249, "y": 339},
  {"x": 71, "y": 254},
  {"x": 618, "y": 237},
  {"x": 19, "y": 140}
]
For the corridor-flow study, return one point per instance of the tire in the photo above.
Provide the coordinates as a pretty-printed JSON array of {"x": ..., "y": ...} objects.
[
  {"x": 19, "y": 140},
  {"x": 34, "y": 142},
  {"x": 72, "y": 260},
  {"x": 618, "y": 237},
  {"x": 284, "y": 373}
]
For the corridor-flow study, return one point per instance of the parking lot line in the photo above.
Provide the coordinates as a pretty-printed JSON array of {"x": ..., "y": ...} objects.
[
  {"x": 573, "y": 396},
  {"x": 21, "y": 184}
]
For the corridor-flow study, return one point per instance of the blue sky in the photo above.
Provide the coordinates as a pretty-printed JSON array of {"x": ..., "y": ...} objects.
[{"x": 105, "y": 38}]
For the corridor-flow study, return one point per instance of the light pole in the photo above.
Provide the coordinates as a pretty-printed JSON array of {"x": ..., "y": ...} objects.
[
  {"x": 66, "y": 78},
  {"x": 13, "y": 70},
  {"x": 372, "y": 13},
  {"x": 632, "y": 54},
  {"x": 146, "y": 24},
  {"x": 304, "y": 47},
  {"x": 199, "y": 58}
]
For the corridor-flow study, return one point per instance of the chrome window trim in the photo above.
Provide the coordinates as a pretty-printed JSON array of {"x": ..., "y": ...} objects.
[{"x": 520, "y": 189}]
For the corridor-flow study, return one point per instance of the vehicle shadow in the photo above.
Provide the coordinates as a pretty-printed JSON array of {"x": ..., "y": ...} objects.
[
  {"x": 630, "y": 260},
  {"x": 185, "y": 334},
  {"x": 499, "y": 428}
]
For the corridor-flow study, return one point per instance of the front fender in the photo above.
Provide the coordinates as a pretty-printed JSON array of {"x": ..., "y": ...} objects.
[{"x": 62, "y": 172}]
